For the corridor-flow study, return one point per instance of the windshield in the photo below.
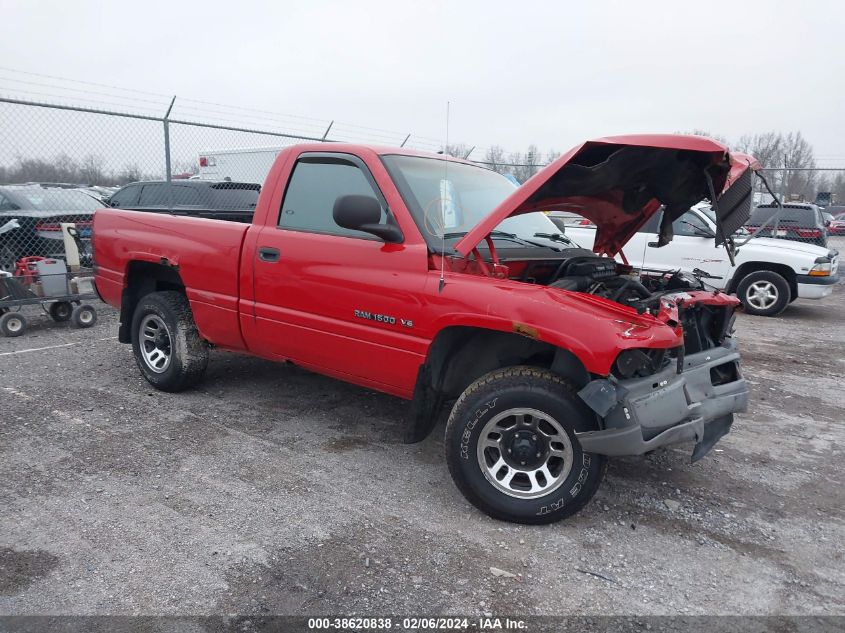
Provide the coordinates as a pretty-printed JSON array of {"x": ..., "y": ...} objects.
[
  {"x": 57, "y": 200},
  {"x": 709, "y": 213},
  {"x": 449, "y": 198}
]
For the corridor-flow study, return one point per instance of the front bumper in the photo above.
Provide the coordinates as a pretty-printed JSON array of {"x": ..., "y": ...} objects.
[
  {"x": 815, "y": 287},
  {"x": 642, "y": 414}
]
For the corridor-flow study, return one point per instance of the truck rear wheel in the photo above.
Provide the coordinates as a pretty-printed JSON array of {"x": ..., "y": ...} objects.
[
  {"x": 512, "y": 450},
  {"x": 168, "y": 348},
  {"x": 764, "y": 293}
]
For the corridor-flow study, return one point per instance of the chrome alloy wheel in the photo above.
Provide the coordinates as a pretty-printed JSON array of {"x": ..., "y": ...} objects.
[
  {"x": 524, "y": 453},
  {"x": 762, "y": 294},
  {"x": 155, "y": 343}
]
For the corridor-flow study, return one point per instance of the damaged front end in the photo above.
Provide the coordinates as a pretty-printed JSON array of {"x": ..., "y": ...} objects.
[{"x": 655, "y": 398}]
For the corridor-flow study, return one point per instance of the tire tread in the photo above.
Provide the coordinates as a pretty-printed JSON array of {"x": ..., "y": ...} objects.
[{"x": 530, "y": 377}]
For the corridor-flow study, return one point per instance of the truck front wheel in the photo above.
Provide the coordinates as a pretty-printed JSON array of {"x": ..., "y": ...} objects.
[
  {"x": 512, "y": 450},
  {"x": 764, "y": 293},
  {"x": 167, "y": 346}
]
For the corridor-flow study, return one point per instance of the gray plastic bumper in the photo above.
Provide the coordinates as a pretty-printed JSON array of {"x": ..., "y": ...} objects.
[{"x": 642, "y": 414}]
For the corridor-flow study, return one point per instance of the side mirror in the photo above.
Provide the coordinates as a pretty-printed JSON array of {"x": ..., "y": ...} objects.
[
  {"x": 363, "y": 213},
  {"x": 827, "y": 223}
]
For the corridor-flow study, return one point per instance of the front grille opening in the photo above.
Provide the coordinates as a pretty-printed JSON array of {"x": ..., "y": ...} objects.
[
  {"x": 705, "y": 327},
  {"x": 724, "y": 374}
]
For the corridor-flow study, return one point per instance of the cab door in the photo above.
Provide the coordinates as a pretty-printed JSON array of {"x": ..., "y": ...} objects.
[
  {"x": 340, "y": 301},
  {"x": 692, "y": 247}
]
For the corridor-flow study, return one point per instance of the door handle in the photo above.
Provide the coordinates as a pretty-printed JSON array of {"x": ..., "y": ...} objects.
[{"x": 267, "y": 254}]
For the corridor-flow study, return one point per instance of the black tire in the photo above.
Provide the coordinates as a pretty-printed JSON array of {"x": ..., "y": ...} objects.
[
  {"x": 13, "y": 324},
  {"x": 749, "y": 292},
  {"x": 61, "y": 311},
  {"x": 84, "y": 316},
  {"x": 510, "y": 389},
  {"x": 186, "y": 351}
]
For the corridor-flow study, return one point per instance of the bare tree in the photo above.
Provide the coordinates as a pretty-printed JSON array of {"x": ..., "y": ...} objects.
[
  {"x": 459, "y": 150},
  {"x": 494, "y": 159},
  {"x": 91, "y": 171},
  {"x": 130, "y": 173},
  {"x": 798, "y": 154},
  {"x": 530, "y": 164}
]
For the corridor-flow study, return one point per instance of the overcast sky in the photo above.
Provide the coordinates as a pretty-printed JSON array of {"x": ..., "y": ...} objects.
[{"x": 549, "y": 73}]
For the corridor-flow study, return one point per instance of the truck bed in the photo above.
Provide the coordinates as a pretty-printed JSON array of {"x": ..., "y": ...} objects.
[
  {"x": 229, "y": 215},
  {"x": 212, "y": 246}
]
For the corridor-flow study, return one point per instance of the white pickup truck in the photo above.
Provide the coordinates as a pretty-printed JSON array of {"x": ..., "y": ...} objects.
[{"x": 769, "y": 273}]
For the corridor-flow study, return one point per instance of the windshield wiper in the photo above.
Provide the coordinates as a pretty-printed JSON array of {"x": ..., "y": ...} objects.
[
  {"x": 555, "y": 237},
  {"x": 493, "y": 233},
  {"x": 508, "y": 236}
]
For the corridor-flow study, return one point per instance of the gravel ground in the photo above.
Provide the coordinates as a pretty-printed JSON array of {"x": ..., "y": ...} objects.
[{"x": 270, "y": 490}]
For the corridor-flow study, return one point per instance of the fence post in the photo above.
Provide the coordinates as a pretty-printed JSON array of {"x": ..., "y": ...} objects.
[
  {"x": 782, "y": 198},
  {"x": 166, "y": 121}
]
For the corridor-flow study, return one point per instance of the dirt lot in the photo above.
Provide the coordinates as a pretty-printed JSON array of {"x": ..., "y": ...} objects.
[{"x": 272, "y": 490}]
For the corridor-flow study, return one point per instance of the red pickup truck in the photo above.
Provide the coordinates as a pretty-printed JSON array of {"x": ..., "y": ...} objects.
[{"x": 441, "y": 282}]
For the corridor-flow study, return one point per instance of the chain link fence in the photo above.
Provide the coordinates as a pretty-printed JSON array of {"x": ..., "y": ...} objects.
[{"x": 60, "y": 163}]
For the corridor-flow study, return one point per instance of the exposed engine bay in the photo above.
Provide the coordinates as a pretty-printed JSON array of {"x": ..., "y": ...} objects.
[{"x": 581, "y": 270}]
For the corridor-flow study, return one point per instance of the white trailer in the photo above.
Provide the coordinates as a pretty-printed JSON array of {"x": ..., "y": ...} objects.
[{"x": 238, "y": 165}]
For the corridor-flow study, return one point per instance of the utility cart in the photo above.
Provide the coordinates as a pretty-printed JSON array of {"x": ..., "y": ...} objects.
[{"x": 47, "y": 281}]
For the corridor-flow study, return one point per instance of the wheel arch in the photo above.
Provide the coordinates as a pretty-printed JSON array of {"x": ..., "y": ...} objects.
[
  {"x": 459, "y": 355},
  {"x": 143, "y": 278},
  {"x": 751, "y": 267}
]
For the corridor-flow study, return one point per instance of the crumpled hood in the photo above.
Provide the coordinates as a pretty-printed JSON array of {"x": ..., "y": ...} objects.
[{"x": 620, "y": 182}]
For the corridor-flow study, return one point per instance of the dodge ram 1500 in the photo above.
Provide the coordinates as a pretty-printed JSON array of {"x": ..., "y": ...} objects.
[{"x": 441, "y": 282}]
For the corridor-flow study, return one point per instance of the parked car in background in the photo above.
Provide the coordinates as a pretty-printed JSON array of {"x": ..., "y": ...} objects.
[
  {"x": 201, "y": 198},
  {"x": 562, "y": 219},
  {"x": 769, "y": 274},
  {"x": 837, "y": 211},
  {"x": 827, "y": 219},
  {"x": 837, "y": 226},
  {"x": 797, "y": 221},
  {"x": 40, "y": 210}
]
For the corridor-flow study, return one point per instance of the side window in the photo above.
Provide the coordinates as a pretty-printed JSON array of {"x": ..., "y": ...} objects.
[
  {"x": 183, "y": 194},
  {"x": 125, "y": 197},
  {"x": 153, "y": 195},
  {"x": 6, "y": 204},
  {"x": 313, "y": 188},
  {"x": 690, "y": 225}
]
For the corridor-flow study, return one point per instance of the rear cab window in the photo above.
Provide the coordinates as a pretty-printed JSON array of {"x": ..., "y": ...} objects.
[
  {"x": 800, "y": 216},
  {"x": 234, "y": 196}
]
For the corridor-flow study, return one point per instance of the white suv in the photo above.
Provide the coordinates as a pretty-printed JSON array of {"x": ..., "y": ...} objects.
[{"x": 769, "y": 273}]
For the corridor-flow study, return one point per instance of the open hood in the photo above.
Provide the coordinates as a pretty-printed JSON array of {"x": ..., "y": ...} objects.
[{"x": 619, "y": 182}]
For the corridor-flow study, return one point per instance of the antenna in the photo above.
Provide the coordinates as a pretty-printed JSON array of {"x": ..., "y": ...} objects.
[{"x": 443, "y": 195}]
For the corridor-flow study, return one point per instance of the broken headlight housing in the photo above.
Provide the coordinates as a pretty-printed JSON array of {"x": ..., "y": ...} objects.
[{"x": 632, "y": 363}]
